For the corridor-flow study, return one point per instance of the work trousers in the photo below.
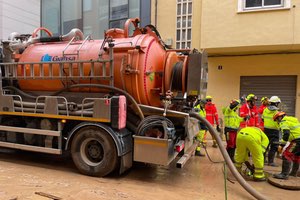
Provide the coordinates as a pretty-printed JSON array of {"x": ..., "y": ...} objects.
[
  {"x": 292, "y": 152},
  {"x": 273, "y": 136},
  {"x": 246, "y": 143},
  {"x": 230, "y": 138},
  {"x": 199, "y": 138}
]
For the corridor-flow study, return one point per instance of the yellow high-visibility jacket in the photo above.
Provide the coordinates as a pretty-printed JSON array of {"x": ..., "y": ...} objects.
[
  {"x": 292, "y": 124},
  {"x": 231, "y": 119}
]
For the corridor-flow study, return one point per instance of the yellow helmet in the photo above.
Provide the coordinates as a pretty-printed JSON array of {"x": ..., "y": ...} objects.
[
  {"x": 251, "y": 97},
  {"x": 234, "y": 103},
  {"x": 264, "y": 99},
  {"x": 208, "y": 97}
]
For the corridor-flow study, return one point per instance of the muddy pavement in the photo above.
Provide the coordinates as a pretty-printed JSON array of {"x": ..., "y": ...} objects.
[{"x": 23, "y": 174}]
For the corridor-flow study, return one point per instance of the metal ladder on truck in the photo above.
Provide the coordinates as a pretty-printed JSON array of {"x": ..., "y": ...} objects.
[
  {"x": 46, "y": 70},
  {"x": 50, "y": 70}
]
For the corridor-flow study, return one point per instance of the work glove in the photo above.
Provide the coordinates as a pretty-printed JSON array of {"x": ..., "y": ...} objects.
[
  {"x": 247, "y": 118},
  {"x": 279, "y": 149},
  {"x": 282, "y": 143},
  {"x": 242, "y": 99},
  {"x": 218, "y": 128}
]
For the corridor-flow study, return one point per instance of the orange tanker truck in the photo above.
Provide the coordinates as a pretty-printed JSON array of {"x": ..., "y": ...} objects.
[{"x": 108, "y": 102}]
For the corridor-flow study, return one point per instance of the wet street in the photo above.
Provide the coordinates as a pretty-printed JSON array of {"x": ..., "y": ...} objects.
[{"x": 21, "y": 175}]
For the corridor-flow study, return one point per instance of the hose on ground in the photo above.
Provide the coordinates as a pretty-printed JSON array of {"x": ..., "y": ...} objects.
[
  {"x": 228, "y": 161},
  {"x": 217, "y": 162},
  {"x": 208, "y": 156}
]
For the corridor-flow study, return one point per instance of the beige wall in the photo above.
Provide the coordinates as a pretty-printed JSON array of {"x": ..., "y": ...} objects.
[
  {"x": 223, "y": 27},
  {"x": 224, "y": 84},
  {"x": 166, "y": 18},
  {"x": 220, "y": 29},
  {"x": 196, "y": 24}
]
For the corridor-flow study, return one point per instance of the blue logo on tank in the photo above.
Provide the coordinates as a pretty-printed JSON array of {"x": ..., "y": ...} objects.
[{"x": 46, "y": 58}]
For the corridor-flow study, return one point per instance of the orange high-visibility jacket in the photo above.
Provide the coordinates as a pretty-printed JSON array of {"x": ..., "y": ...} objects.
[
  {"x": 211, "y": 113},
  {"x": 252, "y": 112}
]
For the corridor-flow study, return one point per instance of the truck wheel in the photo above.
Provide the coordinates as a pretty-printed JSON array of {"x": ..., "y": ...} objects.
[{"x": 93, "y": 152}]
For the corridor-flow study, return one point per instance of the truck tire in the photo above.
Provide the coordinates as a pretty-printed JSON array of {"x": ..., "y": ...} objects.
[{"x": 94, "y": 152}]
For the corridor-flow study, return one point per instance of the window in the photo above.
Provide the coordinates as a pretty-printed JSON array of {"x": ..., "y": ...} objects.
[
  {"x": 250, "y": 5},
  {"x": 95, "y": 18},
  {"x": 263, "y": 3},
  {"x": 50, "y": 16},
  {"x": 87, "y": 5},
  {"x": 184, "y": 23},
  {"x": 118, "y": 13},
  {"x": 71, "y": 15},
  {"x": 91, "y": 16}
]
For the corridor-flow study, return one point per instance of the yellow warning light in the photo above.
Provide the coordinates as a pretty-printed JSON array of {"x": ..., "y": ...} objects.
[{"x": 63, "y": 121}]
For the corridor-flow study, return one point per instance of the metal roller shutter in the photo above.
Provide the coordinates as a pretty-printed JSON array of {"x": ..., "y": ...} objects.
[{"x": 282, "y": 86}]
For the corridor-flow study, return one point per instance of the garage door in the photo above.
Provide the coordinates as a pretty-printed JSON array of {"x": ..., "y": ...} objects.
[{"x": 282, "y": 86}]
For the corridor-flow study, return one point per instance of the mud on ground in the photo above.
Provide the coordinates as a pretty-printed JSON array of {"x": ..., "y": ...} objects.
[{"x": 23, "y": 174}]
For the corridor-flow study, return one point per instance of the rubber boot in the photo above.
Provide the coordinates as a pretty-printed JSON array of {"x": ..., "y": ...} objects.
[
  {"x": 198, "y": 153},
  {"x": 286, "y": 167},
  {"x": 231, "y": 152},
  {"x": 265, "y": 158},
  {"x": 214, "y": 144},
  {"x": 271, "y": 157},
  {"x": 294, "y": 169}
]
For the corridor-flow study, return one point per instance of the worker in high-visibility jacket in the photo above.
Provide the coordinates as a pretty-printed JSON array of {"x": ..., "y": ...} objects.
[
  {"x": 212, "y": 117},
  {"x": 254, "y": 141},
  {"x": 249, "y": 109},
  {"x": 271, "y": 128},
  {"x": 290, "y": 127},
  {"x": 232, "y": 123},
  {"x": 200, "y": 108},
  {"x": 264, "y": 104}
]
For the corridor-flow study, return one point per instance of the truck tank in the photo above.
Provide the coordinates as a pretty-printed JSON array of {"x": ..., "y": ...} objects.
[
  {"x": 142, "y": 66},
  {"x": 70, "y": 93}
]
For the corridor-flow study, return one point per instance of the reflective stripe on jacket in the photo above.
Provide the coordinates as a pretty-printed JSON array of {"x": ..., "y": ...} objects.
[
  {"x": 201, "y": 112},
  {"x": 231, "y": 118},
  {"x": 292, "y": 124},
  {"x": 252, "y": 112},
  {"x": 211, "y": 113},
  {"x": 258, "y": 135},
  {"x": 260, "y": 112},
  {"x": 268, "y": 119}
]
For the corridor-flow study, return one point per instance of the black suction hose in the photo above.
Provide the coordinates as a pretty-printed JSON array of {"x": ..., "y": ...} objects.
[
  {"x": 112, "y": 88},
  {"x": 228, "y": 161}
]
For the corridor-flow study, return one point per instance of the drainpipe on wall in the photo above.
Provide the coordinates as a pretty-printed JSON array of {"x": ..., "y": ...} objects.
[{"x": 155, "y": 19}]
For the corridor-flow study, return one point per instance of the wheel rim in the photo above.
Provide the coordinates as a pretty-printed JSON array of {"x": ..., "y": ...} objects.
[{"x": 92, "y": 152}]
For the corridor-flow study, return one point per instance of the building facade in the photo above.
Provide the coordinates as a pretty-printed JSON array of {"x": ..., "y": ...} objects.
[
  {"x": 91, "y": 16},
  {"x": 178, "y": 22},
  {"x": 21, "y": 16},
  {"x": 253, "y": 45}
]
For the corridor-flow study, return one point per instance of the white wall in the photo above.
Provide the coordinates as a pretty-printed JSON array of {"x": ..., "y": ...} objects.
[{"x": 21, "y": 16}]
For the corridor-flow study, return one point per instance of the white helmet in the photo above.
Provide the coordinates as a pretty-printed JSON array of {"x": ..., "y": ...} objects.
[{"x": 274, "y": 99}]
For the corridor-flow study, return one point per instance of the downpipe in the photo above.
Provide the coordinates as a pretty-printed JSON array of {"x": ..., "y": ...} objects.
[{"x": 228, "y": 161}]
